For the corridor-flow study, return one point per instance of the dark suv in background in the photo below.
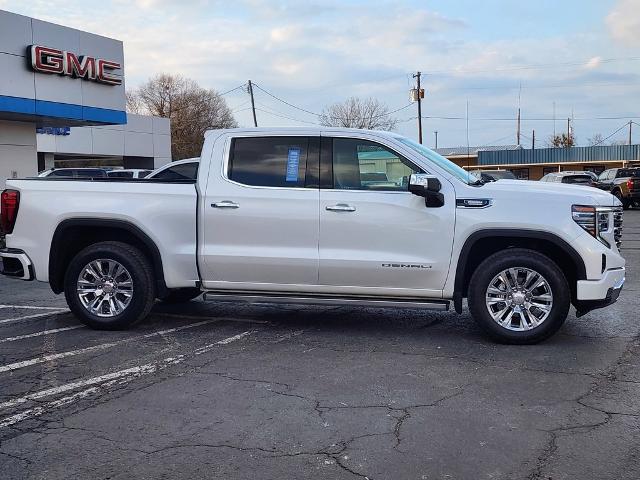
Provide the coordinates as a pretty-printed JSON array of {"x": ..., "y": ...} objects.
[{"x": 624, "y": 183}]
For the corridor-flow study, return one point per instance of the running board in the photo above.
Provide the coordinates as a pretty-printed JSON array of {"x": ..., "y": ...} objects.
[{"x": 327, "y": 300}]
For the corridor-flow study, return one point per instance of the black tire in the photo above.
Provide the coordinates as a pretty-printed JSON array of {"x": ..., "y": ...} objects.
[
  {"x": 525, "y": 258},
  {"x": 181, "y": 295},
  {"x": 140, "y": 271},
  {"x": 625, "y": 203}
]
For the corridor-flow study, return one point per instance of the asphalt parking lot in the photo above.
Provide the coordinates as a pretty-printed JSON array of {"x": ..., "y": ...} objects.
[{"x": 209, "y": 390}]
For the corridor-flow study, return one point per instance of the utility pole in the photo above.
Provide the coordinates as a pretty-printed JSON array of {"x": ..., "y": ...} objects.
[
  {"x": 533, "y": 140},
  {"x": 436, "y": 132},
  {"x": 518, "y": 129},
  {"x": 630, "y": 123},
  {"x": 418, "y": 97},
  {"x": 253, "y": 106},
  {"x": 569, "y": 132}
]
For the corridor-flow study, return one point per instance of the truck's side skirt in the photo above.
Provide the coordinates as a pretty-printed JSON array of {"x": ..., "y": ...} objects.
[{"x": 334, "y": 300}]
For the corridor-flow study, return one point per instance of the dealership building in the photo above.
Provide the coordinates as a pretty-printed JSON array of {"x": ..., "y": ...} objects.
[{"x": 62, "y": 102}]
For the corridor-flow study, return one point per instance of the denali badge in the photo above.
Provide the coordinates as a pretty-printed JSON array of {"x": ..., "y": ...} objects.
[
  {"x": 51, "y": 60},
  {"x": 405, "y": 265}
]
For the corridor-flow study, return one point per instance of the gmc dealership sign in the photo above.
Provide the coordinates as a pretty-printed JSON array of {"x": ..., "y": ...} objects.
[{"x": 60, "y": 62}]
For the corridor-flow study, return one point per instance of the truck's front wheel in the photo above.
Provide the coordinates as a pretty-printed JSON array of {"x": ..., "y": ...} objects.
[
  {"x": 519, "y": 296},
  {"x": 109, "y": 285}
]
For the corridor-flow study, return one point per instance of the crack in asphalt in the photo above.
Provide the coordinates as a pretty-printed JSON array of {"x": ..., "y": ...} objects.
[{"x": 607, "y": 377}]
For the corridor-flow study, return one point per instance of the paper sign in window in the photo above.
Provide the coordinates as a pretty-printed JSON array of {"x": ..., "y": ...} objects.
[{"x": 293, "y": 161}]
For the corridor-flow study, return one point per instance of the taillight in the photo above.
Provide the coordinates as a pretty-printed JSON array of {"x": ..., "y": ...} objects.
[
  {"x": 9, "y": 202},
  {"x": 629, "y": 184}
]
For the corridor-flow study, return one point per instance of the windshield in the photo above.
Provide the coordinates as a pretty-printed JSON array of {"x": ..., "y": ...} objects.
[{"x": 439, "y": 160}]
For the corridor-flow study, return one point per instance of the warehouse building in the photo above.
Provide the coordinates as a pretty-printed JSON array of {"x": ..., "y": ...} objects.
[{"x": 533, "y": 164}]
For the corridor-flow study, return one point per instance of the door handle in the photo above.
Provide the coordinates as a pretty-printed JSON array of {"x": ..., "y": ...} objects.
[
  {"x": 341, "y": 207},
  {"x": 225, "y": 204}
]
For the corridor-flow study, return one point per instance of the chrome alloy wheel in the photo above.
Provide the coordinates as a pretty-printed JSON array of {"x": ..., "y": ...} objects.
[
  {"x": 105, "y": 288},
  {"x": 519, "y": 299}
]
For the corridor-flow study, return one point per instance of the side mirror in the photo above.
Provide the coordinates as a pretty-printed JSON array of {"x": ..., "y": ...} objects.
[{"x": 427, "y": 186}]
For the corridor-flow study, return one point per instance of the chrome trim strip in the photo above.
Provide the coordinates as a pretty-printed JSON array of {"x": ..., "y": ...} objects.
[{"x": 442, "y": 305}]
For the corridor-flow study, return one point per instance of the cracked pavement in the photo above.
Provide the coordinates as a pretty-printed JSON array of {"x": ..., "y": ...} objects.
[{"x": 275, "y": 392}]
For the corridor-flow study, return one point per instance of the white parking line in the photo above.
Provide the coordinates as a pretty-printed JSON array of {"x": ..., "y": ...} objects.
[
  {"x": 122, "y": 376},
  {"x": 39, "y": 334},
  {"x": 103, "y": 346},
  {"x": 31, "y": 307},
  {"x": 199, "y": 317},
  {"x": 30, "y": 317}
]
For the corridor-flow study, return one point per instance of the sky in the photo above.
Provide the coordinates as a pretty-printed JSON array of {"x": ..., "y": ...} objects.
[{"x": 489, "y": 56}]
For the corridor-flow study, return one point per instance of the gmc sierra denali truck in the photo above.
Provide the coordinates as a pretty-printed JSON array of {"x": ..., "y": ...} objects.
[{"x": 322, "y": 216}]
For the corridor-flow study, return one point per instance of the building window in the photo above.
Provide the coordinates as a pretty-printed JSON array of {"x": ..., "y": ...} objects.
[
  {"x": 521, "y": 173},
  {"x": 546, "y": 170}
]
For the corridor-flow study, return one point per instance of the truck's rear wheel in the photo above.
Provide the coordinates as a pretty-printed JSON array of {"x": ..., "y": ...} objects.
[
  {"x": 519, "y": 296},
  {"x": 109, "y": 286}
]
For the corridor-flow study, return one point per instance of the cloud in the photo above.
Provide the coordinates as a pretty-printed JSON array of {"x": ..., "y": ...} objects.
[
  {"x": 315, "y": 53},
  {"x": 624, "y": 22}
]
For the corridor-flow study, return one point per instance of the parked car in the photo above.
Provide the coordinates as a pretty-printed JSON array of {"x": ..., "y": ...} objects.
[
  {"x": 281, "y": 215},
  {"x": 128, "y": 173},
  {"x": 624, "y": 183},
  {"x": 74, "y": 173},
  {"x": 186, "y": 169},
  {"x": 575, "y": 178},
  {"x": 494, "y": 175}
]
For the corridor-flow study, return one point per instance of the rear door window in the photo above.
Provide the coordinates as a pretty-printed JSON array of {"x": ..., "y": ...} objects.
[{"x": 269, "y": 161}]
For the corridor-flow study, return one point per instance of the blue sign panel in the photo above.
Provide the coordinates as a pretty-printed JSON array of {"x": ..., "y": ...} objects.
[
  {"x": 54, "y": 130},
  {"x": 293, "y": 161}
]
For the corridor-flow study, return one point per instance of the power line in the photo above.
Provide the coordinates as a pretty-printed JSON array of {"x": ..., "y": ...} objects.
[
  {"x": 233, "y": 89},
  {"x": 285, "y": 116},
  {"x": 385, "y": 114},
  {"x": 285, "y": 102},
  {"x": 538, "y": 119},
  {"x": 605, "y": 139}
]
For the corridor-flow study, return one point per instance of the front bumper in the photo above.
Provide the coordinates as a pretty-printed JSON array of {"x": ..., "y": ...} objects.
[
  {"x": 593, "y": 294},
  {"x": 16, "y": 263}
]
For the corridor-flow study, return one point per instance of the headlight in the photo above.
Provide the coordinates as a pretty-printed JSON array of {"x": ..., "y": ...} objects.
[
  {"x": 597, "y": 221},
  {"x": 585, "y": 217}
]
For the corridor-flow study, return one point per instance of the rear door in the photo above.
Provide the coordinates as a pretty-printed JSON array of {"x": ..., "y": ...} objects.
[{"x": 261, "y": 215}]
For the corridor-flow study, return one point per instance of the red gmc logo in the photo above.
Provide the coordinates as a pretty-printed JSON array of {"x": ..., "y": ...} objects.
[{"x": 60, "y": 62}]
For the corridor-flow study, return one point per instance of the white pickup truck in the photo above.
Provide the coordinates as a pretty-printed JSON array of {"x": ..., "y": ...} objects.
[{"x": 322, "y": 216}]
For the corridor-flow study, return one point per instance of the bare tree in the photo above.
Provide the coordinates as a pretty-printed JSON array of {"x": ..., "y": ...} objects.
[
  {"x": 597, "y": 139},
  {"x": 192, "y": 109},
  {"x": 562, "y": 141},
  {"x": 355, "y": 112}
]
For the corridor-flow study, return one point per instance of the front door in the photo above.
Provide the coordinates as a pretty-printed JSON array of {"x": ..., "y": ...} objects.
[
  {"x": 375, "y": 236},
  {"x": 261, "y": 215}
]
